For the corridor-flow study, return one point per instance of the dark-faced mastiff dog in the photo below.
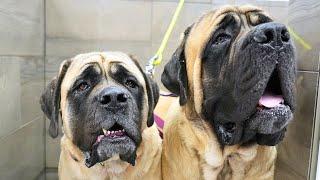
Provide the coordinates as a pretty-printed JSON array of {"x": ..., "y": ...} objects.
[
  {"x": 106, "y": 102},
  {"x": 234, "y": 73}
]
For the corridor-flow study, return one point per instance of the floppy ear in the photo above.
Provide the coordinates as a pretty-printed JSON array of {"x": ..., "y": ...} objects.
[
  {"x": 153, "y": 97},
  {"x": 50, "y": 99},
  {"x": 174, "y": 76},
  {"x": 152, "y": 92}
]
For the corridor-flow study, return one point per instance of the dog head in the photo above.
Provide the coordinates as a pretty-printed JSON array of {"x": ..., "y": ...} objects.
[
  {"x": 105, "y": 101},
  {"x": 237, "y": 68}
]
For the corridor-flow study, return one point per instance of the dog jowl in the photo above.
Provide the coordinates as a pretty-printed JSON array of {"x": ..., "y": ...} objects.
[
  {"x": 247, "y": 74},
  {"x": 106, "y": 101}
]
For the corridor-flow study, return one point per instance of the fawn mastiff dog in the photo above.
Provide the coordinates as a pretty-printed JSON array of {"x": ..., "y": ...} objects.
[
  {"x": 234, "y": 73},
  {"x": 106, "y": 104}
]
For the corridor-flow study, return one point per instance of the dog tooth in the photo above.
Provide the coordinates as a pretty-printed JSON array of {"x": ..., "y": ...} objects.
[
  {"x": 104, "y": 131},
  {"x": 108, "y": 132}
]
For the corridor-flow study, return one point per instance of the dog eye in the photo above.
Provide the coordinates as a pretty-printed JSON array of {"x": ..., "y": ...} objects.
[
  {"x": 131, "y": 83},
  {"x": 83, "y": 86},
  {"x": 221, "y": 38}
]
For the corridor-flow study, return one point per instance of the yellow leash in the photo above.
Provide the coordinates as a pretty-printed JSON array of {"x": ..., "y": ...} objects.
[{"x": 157, "y": 58}]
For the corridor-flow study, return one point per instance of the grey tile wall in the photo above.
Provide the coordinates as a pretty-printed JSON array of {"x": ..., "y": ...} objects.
[
  {"x": 163, "y": 12},
  {"x": 21, "y": 82},
  {"x": 137, "y": 27},
  {"x": 20, "y": 27},
  {"x": 294, "y": 151},
  {"x": 304, "y": 20},
  {"x": 99, "y": 20},
  {"x": 10, "y": 90},
  {"x": 21, "y": 152}
]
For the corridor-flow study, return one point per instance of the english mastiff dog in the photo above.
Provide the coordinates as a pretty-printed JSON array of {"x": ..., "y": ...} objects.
[
  {"x": 106, "y": 104},
  {"x": 234, "y": 72}
]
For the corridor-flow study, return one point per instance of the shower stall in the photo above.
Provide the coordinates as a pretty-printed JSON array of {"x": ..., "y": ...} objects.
[{"x": 37, "y": 35}]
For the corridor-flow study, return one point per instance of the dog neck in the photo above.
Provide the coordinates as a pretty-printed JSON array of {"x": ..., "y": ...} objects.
[{"x": 205, "y": 142}]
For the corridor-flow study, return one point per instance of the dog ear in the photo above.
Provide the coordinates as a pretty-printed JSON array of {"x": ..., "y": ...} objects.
[
  {"x": 153, "y": 97},
  {"x": 50, "y": 99},
  {"x": 174, "y": 76},
  {"x": 152, "y": 92}
]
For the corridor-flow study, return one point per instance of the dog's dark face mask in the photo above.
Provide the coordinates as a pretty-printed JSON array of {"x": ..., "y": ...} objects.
[
  {"x": 248, "y": 77},
  {"x": 105, "y": 111}
]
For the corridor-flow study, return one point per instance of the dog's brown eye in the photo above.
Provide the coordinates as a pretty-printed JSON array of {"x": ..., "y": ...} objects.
[
  {"x": 83, "y": 86},
  {"x": 130, "y": 83}
]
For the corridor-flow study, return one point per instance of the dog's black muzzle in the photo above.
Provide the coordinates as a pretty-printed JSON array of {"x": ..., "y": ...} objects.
[{"x": 265, "y": 68}]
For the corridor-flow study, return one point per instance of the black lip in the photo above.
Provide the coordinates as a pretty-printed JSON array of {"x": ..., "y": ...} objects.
[
  {"x": 270, "y": 121},
  {"x": 116, "y": 126}
]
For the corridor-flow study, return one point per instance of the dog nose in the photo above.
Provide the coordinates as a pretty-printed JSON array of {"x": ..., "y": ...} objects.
[
  {"x": 271, "y": 33},
  {"x": 113, "y": 97}
]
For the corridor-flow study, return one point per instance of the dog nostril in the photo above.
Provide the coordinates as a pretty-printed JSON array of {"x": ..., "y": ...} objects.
[
  {"x": 285, "y": 36},
  {"x": 105, "y": 99},
  {"x": 122, "y": 97},
  {"x": 269, "y": 34}
]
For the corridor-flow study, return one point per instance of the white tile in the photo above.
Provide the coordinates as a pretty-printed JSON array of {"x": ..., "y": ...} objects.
[
  {"x": 10, "y": 88},
  {"x": 71, "y": 47},
  {"x": 190, "y": 1},
  {"x": 21, "y": 84},
  {"x": 163, "y": 12},
  {"x": 99, "y": 20},
  {"x": 280, "y": 14},
  {"x": 22, "y": 153},
  {"x": 21, "y": 27}
]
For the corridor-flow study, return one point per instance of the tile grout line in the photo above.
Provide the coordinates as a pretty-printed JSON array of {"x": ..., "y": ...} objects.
[
  {"x": 44, "y": 81},
  {"x": 20, "y": 127}
]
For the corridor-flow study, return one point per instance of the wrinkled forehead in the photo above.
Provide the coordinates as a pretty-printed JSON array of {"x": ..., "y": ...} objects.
[
  {"x": 103, "y": 63},
  {"x": 245, "y": 16}
]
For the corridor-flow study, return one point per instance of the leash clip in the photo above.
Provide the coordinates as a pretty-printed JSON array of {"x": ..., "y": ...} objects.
[{"x": 150, "y": 67}]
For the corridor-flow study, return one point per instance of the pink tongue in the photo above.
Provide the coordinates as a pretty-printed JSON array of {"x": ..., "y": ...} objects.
[{"x": 270, "y": 100}]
